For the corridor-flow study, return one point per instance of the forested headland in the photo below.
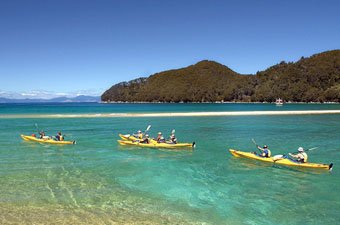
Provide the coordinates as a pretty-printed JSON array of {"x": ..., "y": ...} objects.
[{"x": 312, "y": 79}]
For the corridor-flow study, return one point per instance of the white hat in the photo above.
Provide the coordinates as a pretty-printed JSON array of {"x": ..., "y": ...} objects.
[{"x": 300, "y": 149}]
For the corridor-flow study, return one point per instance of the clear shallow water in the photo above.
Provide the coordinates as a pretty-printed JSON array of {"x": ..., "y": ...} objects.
[
  {"x": 98, "y": 181},
  {"x": 67, "y": 108}
]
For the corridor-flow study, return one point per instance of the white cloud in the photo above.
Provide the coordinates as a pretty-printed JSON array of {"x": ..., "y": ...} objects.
[
  {"x": 42, "y": 94},
  {"x": 61, "y": 94},
  {"x": 28, "y": 94}
]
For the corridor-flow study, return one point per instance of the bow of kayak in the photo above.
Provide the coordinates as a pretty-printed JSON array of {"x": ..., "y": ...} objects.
[
  {"x": 48, "y": 141},
  {"x": 250, "y": 155},
  {"x": 128, "y": 137}
]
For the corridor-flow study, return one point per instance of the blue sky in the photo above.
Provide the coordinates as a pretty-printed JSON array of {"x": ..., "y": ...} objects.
[{"x": 71, "y": 46}]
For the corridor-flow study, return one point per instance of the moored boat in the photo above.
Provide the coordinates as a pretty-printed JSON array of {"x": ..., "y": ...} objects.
[{"x": 279, "y": 102}]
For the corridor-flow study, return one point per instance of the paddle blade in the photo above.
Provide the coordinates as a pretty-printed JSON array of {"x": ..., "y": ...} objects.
[
  {"x": 148, "y": 128},
  {"x": 173, "y": 131}
]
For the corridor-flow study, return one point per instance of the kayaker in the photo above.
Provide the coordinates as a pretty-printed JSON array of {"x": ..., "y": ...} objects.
[
  {"x": 159, "y": 137},
  {"x": 265, "y": 151},
  {"x": 301, "y": 156},
  {"x": 139, "y": 134},
  {"x": 161, "y": 140},
  {"x": 42, "y": 135},
  {"x": 145, "y": 140},
  {"x": 59, "y": 136},
  {"x": 173, "y": 139}
]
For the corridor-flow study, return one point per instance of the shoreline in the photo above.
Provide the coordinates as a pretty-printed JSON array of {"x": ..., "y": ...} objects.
[
  {"x": 180, "y": 103},
  {"x": 216, "y": 102},
  {"x": 170, "y": 114}
]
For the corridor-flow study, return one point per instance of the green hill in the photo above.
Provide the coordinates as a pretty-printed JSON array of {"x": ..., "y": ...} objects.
[{"x": 316, "y": 78}]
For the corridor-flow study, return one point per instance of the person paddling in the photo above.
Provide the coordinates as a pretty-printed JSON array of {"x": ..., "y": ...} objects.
[
  {"x": 59, "y": 136},
  {"x": 42, "y": 135},
  {"x": 145, "y": 140},
  {"x": 265, "y": 151},
  {"x": 139, "y": 135},
  {"x": 161, "y": 140},
  {"x": 173, "y": 139},
  {"x": 301, "y": 156},
  {"x": 159, "y": 137}
]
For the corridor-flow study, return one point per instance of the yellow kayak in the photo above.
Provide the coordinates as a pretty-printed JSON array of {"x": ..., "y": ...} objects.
[
  {"x": 128, "y": 137},
  {"x": 47, "y": 141},
  {"x": 154, "y": 144},
  {"x": 279, "y": 159},
  {"x": 250, "y": 155}
]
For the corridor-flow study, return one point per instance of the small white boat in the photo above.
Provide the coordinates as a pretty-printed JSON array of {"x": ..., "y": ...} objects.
[{"x": 279, "y": 102}]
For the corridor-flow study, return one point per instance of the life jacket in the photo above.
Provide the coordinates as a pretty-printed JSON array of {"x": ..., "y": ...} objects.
[
  {"x": 61, "y": 137},
  {"x": 266, "y": 153},
  {"x": 269, "y": 153},
  {"x": 140, "y": 136},
  {"x": 304, "y": 157},
  {"x": 162, "y": 140}
]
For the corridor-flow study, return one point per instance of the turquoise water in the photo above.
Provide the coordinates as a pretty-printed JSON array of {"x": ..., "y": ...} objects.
[
  {"x": 46, "y": 108},
  {"x": 97, "y": 181}
]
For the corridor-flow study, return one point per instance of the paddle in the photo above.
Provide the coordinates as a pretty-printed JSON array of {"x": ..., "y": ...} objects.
[
  {"x": 147, "y": 129},
  {"x": 310, "y": 149},
  {"x": 256, "y": 144},
  {"x": 36, "y": 126},
  {"x": 38, "y": 130}
]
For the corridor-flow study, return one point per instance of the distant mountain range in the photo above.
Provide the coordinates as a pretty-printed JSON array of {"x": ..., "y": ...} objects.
[
  {"x": 313, "y": 79},
  {"x": 81, "y": 98}
]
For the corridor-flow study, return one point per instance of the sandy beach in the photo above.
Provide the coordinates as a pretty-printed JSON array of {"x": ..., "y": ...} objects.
[{"x": 171, "y": 114}]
